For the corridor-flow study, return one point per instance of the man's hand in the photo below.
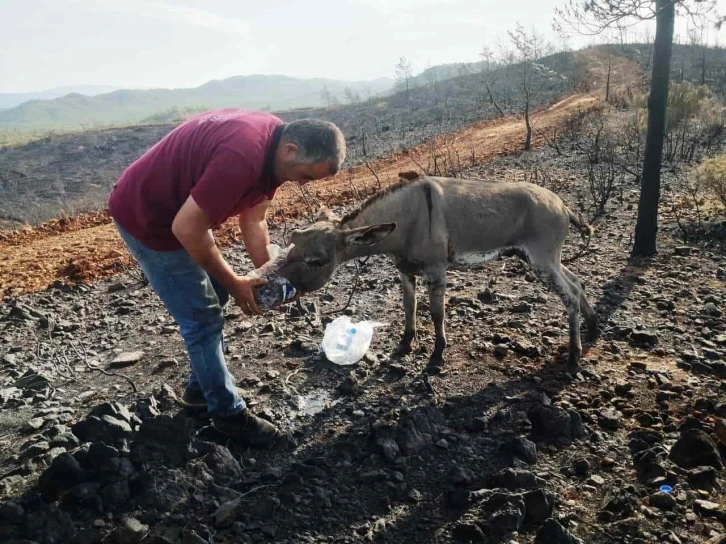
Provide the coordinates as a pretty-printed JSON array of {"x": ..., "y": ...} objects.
[{"x": 242, "y": 292}]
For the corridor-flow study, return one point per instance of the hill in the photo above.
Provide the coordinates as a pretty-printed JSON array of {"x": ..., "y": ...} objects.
[
  {"x": 123, "y": 107},
  {"x": 10, "y": 100}
]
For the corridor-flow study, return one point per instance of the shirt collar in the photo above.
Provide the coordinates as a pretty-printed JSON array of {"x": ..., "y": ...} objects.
[{"x": 268, "y": 173}]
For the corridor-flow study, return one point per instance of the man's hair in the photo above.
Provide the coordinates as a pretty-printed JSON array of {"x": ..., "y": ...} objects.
[{"x": 318, "y": 140}]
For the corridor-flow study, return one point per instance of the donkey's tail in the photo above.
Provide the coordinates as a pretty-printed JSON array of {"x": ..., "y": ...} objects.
[{"x": 586, "y": 231}]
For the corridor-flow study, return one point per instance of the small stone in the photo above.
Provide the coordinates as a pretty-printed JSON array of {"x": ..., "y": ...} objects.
[
  {"x": 131, "y": 531},
  {"x": 414, "y": 495},
  {"x": 501, "y": 350},
  {"x": 703, "y": 478},
  {"x": 469, "y": 532},
  {"x": 706, "y": 508},
  {"x": 581, "y": 466},
  {"x": 390, "y": 449},
  {"x": 663, "y": 501},
  {"x": 721, "y": 431},
  {"x": 609, "y": 420},
  {"x": 596, "y": 480},
  {"x": 552, "y": 532},
  {"x": 126, "y": 359},
  {"x": 226, "y": 514},
  {"x": 443, "y": 444}
]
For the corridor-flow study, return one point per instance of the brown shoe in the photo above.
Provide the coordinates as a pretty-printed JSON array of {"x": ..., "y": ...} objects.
[
  {"x": 248, "y": 428},
  {"x": 192, "y": 398}
]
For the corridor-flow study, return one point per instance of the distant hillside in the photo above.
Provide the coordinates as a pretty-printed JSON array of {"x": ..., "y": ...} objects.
[
  {"x": 694, "y": 63},
  {"x": 273, "y": 92},
  {"x": 10, "y": 100}
]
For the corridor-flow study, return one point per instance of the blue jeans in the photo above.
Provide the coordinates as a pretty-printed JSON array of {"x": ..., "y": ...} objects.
[{"x": 196, "y": 303}]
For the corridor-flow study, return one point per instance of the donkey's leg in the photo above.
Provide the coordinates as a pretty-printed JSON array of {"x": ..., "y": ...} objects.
[
  {"x": 408, "y": 286},
  {"x": 587, "y": 311},
  {"x": 549, "y": 271},
  {"x": 437, "y": 289}
]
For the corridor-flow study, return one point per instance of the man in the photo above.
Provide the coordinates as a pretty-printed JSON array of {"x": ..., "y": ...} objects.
[{"x": 214, "y": 166}]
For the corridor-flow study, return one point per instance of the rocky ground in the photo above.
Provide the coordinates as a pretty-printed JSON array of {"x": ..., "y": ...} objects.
[{"x": 500, "y": 447}]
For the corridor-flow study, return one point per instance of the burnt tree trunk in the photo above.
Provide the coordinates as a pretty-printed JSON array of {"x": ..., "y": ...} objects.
[
  {"x": 528, "y": 139},
  {"x": 647, "y": 224}
]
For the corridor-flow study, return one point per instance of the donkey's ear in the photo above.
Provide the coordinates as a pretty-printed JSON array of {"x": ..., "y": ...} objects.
[
  {"x": 325, "y": 214},
  {"x": 368, "y": 236}
]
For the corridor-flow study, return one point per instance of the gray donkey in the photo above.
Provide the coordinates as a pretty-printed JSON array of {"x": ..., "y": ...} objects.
[{"x": 431, "y": 224}]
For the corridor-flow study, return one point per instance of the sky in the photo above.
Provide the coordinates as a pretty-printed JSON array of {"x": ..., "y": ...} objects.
[{"x": 185, "y": 43}]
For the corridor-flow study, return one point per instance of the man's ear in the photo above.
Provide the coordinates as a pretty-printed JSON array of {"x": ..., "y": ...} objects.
[
  {"x": 325, "y": 214},
  {"x": 289, "y": 150},
  {"x": 368, "y": 236}
]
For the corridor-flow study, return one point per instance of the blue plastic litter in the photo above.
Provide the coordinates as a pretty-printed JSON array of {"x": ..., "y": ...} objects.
[{"x": 666, "y": 489}]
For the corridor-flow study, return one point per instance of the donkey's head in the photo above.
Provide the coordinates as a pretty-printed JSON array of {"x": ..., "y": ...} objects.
[{"x": 322, "y": 246}]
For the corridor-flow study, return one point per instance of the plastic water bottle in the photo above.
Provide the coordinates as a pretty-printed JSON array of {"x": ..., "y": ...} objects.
[
  {"x": 346, "y": 339},
  {"x": 345, "y": 342},
  {"x": 275, "y": 292}
]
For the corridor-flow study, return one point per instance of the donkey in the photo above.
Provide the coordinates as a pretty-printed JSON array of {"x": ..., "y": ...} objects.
[{"x": 433, "y": 224}]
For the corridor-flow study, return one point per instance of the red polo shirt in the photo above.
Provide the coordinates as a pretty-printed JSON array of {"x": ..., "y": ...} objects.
[{"x": 222, "y": 158}]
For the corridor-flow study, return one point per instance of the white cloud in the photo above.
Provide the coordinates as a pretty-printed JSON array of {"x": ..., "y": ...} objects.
[{"x": 162, "y": 10}]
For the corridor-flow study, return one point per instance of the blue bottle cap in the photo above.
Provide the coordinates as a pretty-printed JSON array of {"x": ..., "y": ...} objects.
[{"x": 666, "y": 489}]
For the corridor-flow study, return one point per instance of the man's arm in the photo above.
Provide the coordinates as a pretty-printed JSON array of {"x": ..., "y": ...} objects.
[
  {"x": 253, "y": 224},
  {"x": 191, "y": 227}
]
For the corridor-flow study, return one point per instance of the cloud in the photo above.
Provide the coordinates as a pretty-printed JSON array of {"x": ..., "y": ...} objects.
[{"x": 172, "y": 12}]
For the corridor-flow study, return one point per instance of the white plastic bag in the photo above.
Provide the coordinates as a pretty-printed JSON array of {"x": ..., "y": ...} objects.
[{"x": 345, "y": 342}]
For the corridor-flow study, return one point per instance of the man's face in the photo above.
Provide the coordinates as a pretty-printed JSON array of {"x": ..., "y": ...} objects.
[{"x": 287, "y": 169}]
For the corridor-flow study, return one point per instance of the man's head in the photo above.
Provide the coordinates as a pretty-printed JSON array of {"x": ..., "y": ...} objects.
[{"x": 309, "y": 149}]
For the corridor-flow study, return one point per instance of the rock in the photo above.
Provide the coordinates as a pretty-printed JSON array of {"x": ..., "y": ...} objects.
[
  {"x": 552, "y": 423},
  {"x": 501, "y": 350},
  {"x": 721, "y": 431},
  {"x": 165, "y": 437},
  {"x": 62, "y": 474},
  {"x": 32, "y": 381},
  {"x": 113, "y": 409},
  {"x": 469, "y": 532},
  {"x": 32, "y": 425},
  {"x": 513, "y": 479},
  {"x": 694, "y": 449},
  {"x": 420, "y": 429},
  {"x": 506, "y": 520},
  {"x": 703, "y": 478},
  {"x": 461, "y": 476},
  {"x": 522, "y": 308},
  {"x": 389, "y": 448},
  {"x": 709, "y": 509},
  {"x": 609, "y": 420},
  {"x": 147, "y": 408},
  {"x": 101, "y": 429},
  {"x": 554, "y": 533},
  {"x": 84, "y": 491},
  {"x": 520, "y": 448},
  {"x": 596, "y": 480},
  {"x": 226, "y": 514},
  {"x": 126, "y": 359},
  {"x": 662, "y": 501},
  {"x": 581, "y": 466},
  {"x": 11, "y": 513},
  {"x": 539, "y": 506},
  {"x": 643, "y": 338},
  {"x": 223, "y": 464},
  {"x": 88, "y": 536},
  {"x": 131, "y": 531},
  {"x": 50, "y": 525},
  {"x": 191, "y": 537}
]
